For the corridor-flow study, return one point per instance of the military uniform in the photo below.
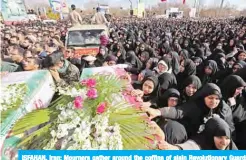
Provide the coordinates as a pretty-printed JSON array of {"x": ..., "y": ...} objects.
[{"x": 71, "y": 75}]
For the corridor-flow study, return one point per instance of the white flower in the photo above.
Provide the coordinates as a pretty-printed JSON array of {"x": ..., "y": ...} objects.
[{"x": 53, "y": 133}]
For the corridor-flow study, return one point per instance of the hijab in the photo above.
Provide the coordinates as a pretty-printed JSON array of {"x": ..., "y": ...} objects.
[
  {"x": 154, "y": 92},
  {"x": 192, "y": 79},
  {"x": 163, "y": 98},
  {"x": 184, "y": 53},
  {"x": 165, "y": 61},
  {"x": 241, "y": 73},
  {"x": 188, "y": 81},
  {"x": 215, "y": 127},
  {"x": 166, "y": 81},
  {"x": 212, "y": 65},
  {"x": 175, "y": 62},
  {"x": 145, "y": 55},
  {"x": 217, "y": 57},
  {"x": 240, "y": 63},
  {"x": 133, "y": 60},
  {"x": 230, "y": 84},
  {"x": 175, "y": 133}
]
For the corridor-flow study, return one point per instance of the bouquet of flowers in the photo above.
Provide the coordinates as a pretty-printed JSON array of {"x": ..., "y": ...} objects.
[
  {"x": 13, "y": 98},
  {"x": 92, "y": 114}
]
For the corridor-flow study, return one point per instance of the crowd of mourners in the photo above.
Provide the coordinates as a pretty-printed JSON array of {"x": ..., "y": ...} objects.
[{"x": 190, "y": 76}]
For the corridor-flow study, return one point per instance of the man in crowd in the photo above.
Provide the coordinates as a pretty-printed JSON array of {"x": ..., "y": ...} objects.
[
  {"x": 74, "y": 16},
  {"x": 99, "y": 18}
]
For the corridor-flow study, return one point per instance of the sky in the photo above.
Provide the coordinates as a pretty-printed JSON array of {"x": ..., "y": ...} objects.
[{"x": 240, "y": 4}]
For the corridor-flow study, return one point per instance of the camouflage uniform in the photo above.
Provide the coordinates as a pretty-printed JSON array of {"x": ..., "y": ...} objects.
[{"x": 72, "y": 75}]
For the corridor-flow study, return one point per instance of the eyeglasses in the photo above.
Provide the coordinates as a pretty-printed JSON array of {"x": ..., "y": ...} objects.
[{"x": 236, "y": 68}]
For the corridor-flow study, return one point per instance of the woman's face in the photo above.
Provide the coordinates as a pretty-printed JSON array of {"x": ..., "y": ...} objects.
[
  {"x": 111, "y": 63},
  {"x": 142, "y": 48},
  {"x": 197, "y": 63},
  {"x": 231, "y": 42},
  {"x": 148, "y": 65},
  {"x": 182, "y": 67},
  {"x": 172, "y": 101},
  {"x": 190, "y": 90},
  {"x": 140, "y": 77},
  {"x": 169, "y": 55},
  {"x": 231, "y": 63},
  {"x": 212, "y": 101},
  {"x": 148, "y": 87},
  {"x": 208, "y": 70},
  {"x": 162, "y": 68},
  {"x": 102, "y": 51},
  {"x": 221, "y": 142},
  {"x": 186, "y": 43},
  {"x": 238, "y": 91},
  {"x": 242, "y": 56},
  {"x": 236, "y": 68}
]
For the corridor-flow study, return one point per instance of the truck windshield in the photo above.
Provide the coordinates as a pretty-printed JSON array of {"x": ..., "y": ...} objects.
[{"x": 84, "y": 38}]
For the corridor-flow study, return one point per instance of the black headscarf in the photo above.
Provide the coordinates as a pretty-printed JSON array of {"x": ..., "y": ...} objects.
[
  {"x": 215, "y": 127},
  {"x": 165, "y": 49},
  {"x": 230, "y": 84},
  {"x": 240, "y": 63},
  {"x": 206, "y": 90},
  {"x": 175, "y": 132},
  {"x": 133, "y": 60},
  {"x": 217, "y": 59},
  {"x": 101, "y": 58},
  {"x": 146, "y": 57},
  {"x": 212, "y": 65},
  {"x": 188, "y": 81},
  {"x": 241, "y": 73},
  {"x": 175, "y": 62},
  {"x": 163, "y": 98},
  {"x": 184, "y": 53},
  {"x": 189, "y": 69},
  {"x": 212, "y": 77},
  {"x": 167, "y": 81},
  {"x": 192, "y": 80},
  {"x": 152, "y": 95},
  {"x": 200, "y": 53}
]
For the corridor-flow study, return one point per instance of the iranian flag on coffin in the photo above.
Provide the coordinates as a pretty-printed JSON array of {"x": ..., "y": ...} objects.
[
  {"x": 21, "y": 93},
  {"x": 87, "y": 72}
]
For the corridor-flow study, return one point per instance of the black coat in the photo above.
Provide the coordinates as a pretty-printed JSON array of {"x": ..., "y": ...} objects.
[
  {"x": 214, "y": 127},
  {"x": 192, "y": 113}
]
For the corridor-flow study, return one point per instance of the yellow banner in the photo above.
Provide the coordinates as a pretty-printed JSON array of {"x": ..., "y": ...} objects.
[{"x": 52, "y": 15}]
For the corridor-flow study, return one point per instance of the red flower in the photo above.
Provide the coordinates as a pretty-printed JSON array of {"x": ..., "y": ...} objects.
[
  {"x": 92, "y": 93},
  {"x": 101, "y": 108},
  {"x": 91, "y": 83},
  {"x": 78, "y": 102}
]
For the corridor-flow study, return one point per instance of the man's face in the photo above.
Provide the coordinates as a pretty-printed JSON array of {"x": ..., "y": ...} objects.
[
  {"x": 29, "y": 64},
  {"x": 7, "y": 36},
  {"x": 26, "y": 43},
  {"x": 14, "y": 55},
  {"x": 14, "y": 41}
]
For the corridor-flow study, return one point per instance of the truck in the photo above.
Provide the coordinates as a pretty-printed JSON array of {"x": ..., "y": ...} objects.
[
  {"x": 174, "y": 13},
  {"x": 85, "y": 39}
]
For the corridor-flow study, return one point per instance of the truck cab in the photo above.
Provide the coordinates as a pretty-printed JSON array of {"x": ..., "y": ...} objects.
[{"x": 85, "y": 39}]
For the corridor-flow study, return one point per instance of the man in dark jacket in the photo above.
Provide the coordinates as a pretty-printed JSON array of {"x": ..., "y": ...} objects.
[{"x": 63, "y": 71}]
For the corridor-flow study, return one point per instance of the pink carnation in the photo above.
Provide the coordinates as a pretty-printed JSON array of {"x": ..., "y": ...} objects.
[
  {"x": 92, "y": 93},
  {"x": 101, "y": 108},
  {"x": 84, "y": 82},
  {"x": 78, "y": 102},
  {"x": 91, "y": 83}
]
